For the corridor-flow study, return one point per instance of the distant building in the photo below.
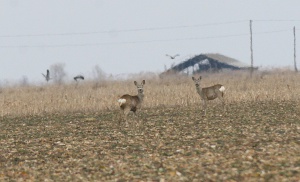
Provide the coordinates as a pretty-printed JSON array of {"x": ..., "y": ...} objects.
[{"x": 207, "y": 63}]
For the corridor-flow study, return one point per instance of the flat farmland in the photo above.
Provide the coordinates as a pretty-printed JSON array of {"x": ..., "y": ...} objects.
[{"x": 256, "y": 139}]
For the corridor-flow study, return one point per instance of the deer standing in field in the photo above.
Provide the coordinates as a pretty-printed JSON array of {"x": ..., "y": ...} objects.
[
  {"x": 209, "y": 93},
  {"x": 132, "y": 103}
]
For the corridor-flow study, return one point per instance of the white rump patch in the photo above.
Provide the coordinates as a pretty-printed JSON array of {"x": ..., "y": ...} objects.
[
  {"x": 222, "y": 89},
  {"x": 122, "y": 101}
]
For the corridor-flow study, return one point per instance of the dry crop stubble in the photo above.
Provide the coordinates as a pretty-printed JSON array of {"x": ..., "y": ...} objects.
[{"x": 169, "y": 92}]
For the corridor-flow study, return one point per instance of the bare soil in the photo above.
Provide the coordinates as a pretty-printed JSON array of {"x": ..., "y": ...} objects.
[{"x": 252, "y": 141}]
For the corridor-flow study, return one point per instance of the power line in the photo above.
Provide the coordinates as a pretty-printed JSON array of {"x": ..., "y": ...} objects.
[
  {"x": 123, "y": 30},
  {"x": 275, "y": 31},
  {"x": 143, "y": 29},
  {"x": 139, "y": 42},
  {"x": 274, "y": 20}
]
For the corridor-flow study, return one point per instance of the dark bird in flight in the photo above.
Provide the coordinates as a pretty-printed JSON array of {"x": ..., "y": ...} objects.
[
  {"x": 47, "y": 76},
  {"x": 172, "y": 57},
  {"x": 80, "y": 77}
]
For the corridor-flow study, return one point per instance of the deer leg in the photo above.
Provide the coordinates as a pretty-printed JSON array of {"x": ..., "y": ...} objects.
[
  {"x": 126, "y": 112},
  {"x": 221, "y": 98},
  {"x": 121, "y": 115},
  {"x": 135, "y": 113},
  {"x": 204, "y": 106},
  {"x": 137, "y": 123}
]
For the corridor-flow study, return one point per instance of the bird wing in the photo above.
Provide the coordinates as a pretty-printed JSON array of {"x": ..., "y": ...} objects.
[{"x": 78, "y": 77}]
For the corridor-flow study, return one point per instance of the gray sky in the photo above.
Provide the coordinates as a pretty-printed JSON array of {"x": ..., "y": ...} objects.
[{"x": 135, "y": 35}]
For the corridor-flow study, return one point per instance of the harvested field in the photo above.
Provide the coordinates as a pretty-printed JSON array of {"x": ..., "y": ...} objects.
[{"x": 257, "y": 139}]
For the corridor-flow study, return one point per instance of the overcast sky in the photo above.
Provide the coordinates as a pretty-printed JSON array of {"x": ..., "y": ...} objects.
[{"x": 134, "y": 36}]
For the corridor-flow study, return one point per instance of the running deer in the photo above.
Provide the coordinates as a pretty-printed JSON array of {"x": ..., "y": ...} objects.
[
  {"x": 132, "y": 103},
  {"x": 209, "y": 93}
]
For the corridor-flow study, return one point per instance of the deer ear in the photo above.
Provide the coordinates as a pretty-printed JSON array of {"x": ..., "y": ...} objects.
[
  {"x": 135, "y": 83},
  {"x": 193, "y": 78},
  {"x": 143, "y": 82},
  {"x": 200, "y": 78}
]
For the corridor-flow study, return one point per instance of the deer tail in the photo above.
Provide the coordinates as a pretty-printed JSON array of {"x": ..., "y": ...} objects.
[
  {"x": 222, "y": 88},
  {"x": 122, "y": 101}
]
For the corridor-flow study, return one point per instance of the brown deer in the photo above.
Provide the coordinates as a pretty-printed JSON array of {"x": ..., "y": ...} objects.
[
  {"x": 132, "y": 103},
  {"x": 209, "y": 93}
]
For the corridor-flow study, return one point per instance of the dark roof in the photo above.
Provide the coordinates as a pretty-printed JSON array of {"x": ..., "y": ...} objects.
[
  {"x": 204, "y": 62},
  {"x": 228, "y": 60}
]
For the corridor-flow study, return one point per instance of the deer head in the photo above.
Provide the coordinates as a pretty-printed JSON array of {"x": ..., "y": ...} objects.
[
  {"x": 140, "y": 87},
  {"x": 197, "y": 81}
]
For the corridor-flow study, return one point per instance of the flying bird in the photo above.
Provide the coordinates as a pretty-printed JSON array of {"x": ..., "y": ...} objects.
[
  {"x": 47, "y": 76},
  {"x": 172, "y": 57},
  {"x": 80, "y": 77}
]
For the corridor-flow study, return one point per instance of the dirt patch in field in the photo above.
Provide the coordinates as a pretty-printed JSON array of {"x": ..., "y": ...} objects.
[{"x": 252, "y": 141}]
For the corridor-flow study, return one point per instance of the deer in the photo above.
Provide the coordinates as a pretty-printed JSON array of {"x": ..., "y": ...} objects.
[
  {"x": 209, "y": 93},
  {"x": 132, "y": 103}
]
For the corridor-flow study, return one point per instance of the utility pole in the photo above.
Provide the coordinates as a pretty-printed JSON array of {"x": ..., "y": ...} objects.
[
  {"x": 251, "y": 49},
  {"x": 295, "y": 63}
]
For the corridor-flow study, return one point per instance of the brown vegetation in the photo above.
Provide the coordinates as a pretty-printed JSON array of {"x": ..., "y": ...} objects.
[
  {"x": 68, "y": 133},
  {"x": 172, "y": 91}
]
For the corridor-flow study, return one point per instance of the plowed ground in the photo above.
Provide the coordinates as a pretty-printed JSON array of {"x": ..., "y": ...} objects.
[{"x": 252, "y": 141}]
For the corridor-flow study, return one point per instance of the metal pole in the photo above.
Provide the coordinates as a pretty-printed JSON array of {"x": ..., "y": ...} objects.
[
  {"x": 295, "y": 63},
  {"x": 251, "y": 49}
]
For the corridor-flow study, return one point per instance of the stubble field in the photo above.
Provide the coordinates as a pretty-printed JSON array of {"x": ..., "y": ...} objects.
[{"x": 63, "y": 133}]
